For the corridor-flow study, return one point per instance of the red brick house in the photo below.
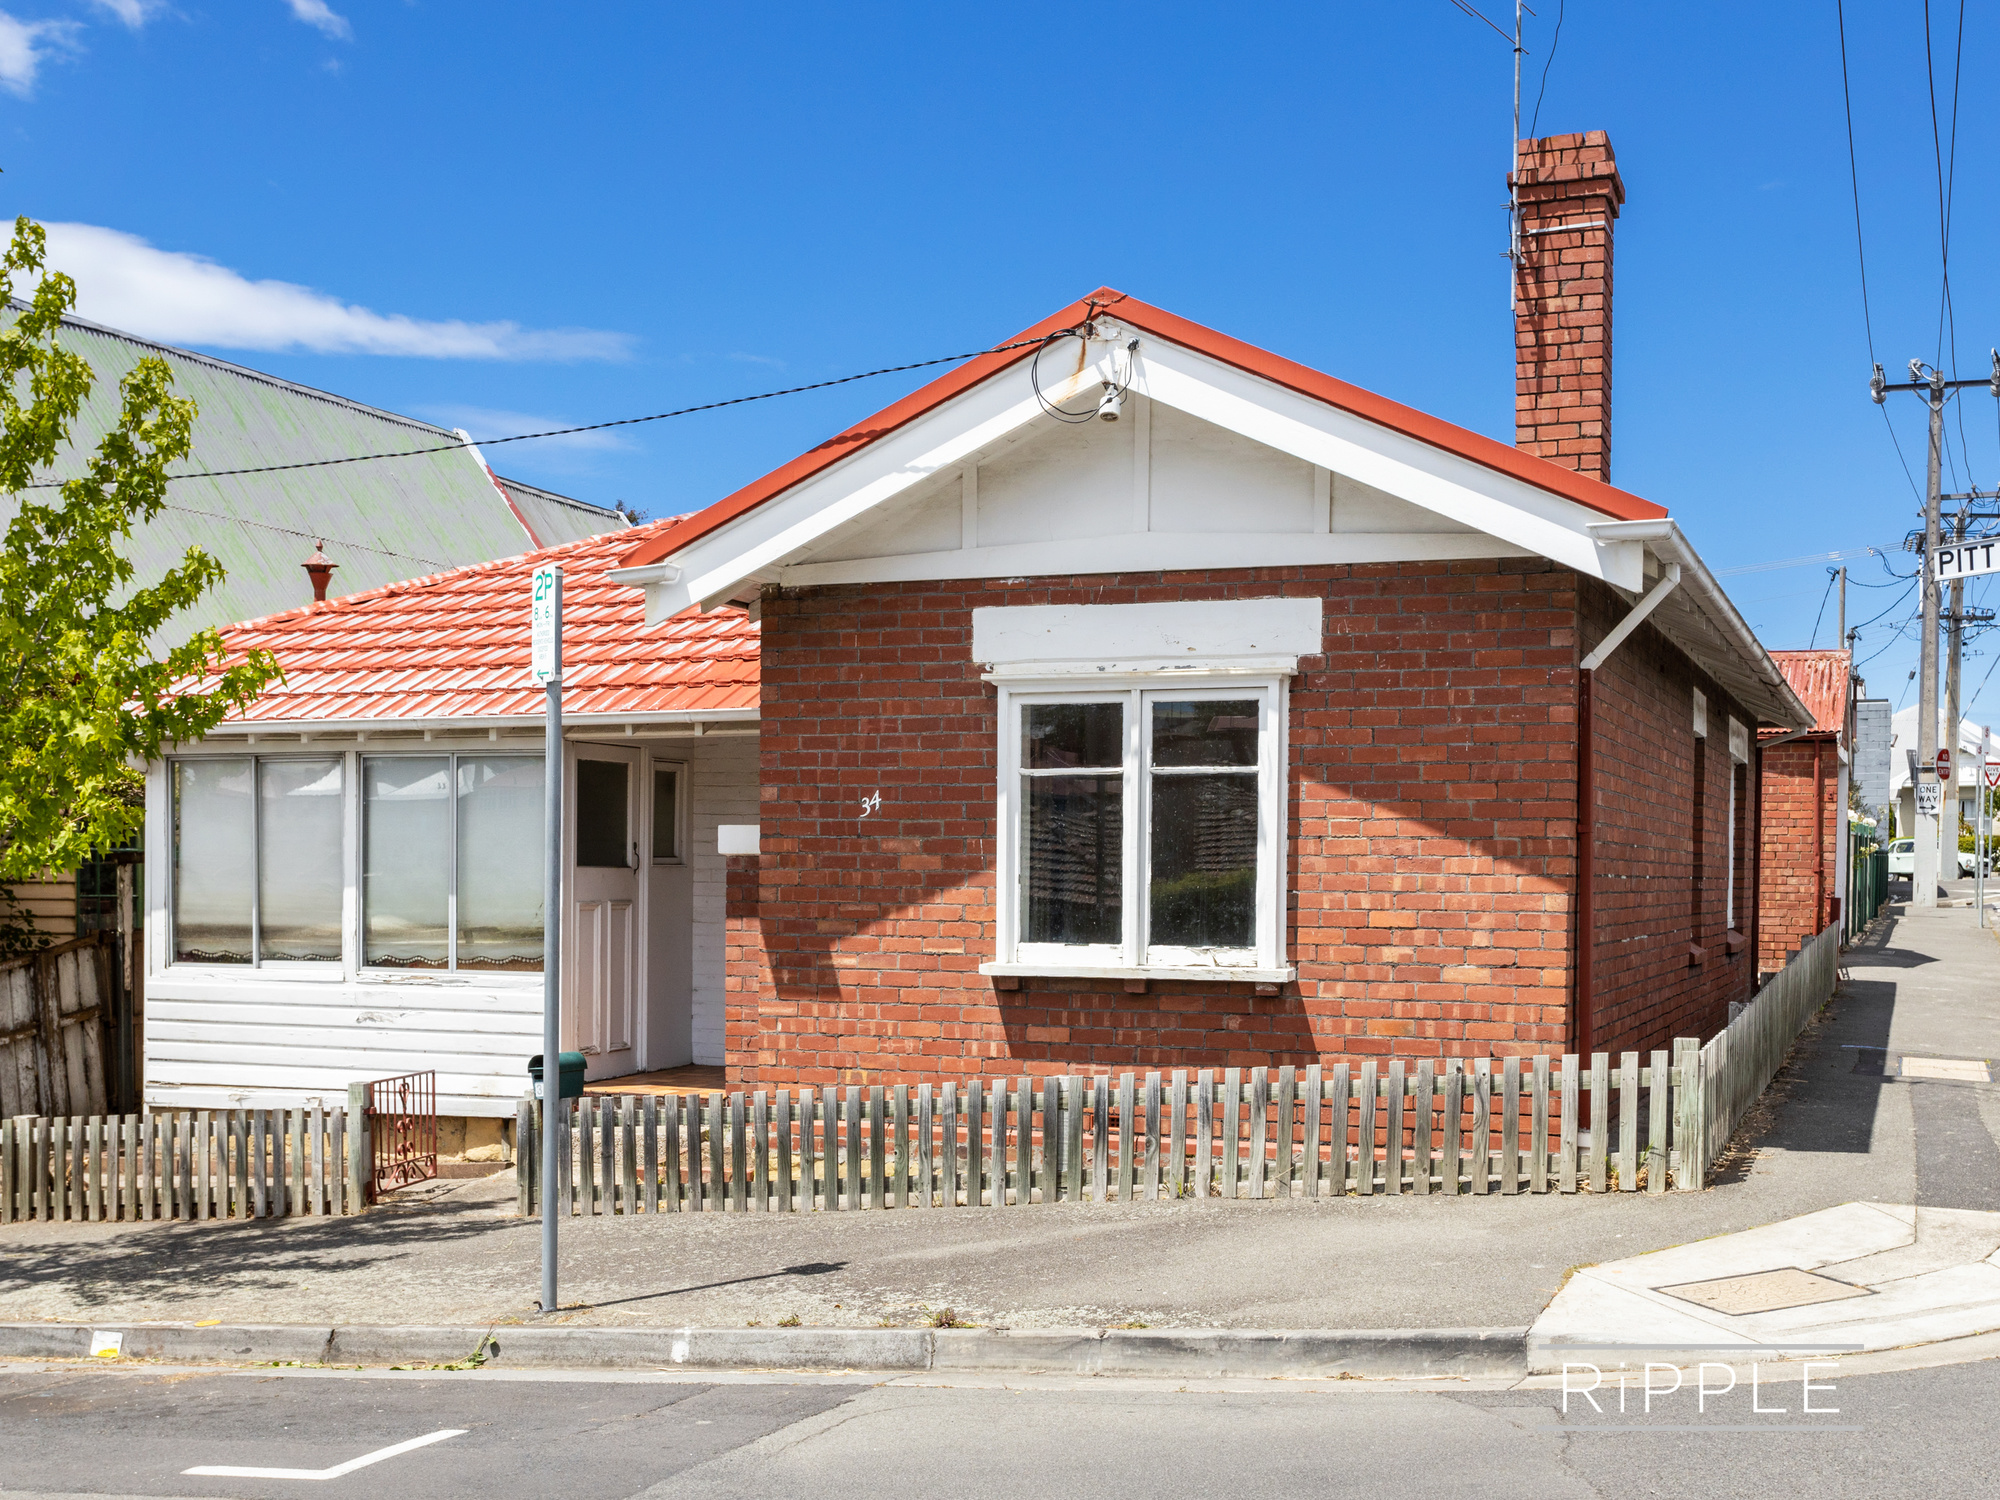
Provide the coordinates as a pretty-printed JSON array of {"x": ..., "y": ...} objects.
[
  {"x": 1804, "y": 778},
  {"x": 1131, "y": 696}
]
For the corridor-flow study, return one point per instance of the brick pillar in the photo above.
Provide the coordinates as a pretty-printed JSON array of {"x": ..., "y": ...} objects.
[{"x": 1570, "y": 193}]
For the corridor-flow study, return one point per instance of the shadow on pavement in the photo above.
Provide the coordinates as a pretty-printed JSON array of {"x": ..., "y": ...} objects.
[{"x": 179, "y": 1261}]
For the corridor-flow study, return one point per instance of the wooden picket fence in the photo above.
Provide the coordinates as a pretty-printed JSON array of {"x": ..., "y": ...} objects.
[
  {"x": 203, "y": 1164},
  {"x": 1480, "y": 1126},
  {"x": 1739, "y": 1062}
]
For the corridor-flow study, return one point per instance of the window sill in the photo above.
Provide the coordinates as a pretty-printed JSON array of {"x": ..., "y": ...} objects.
[
  {"x": 1245, "y": 975},
  {"x": 256, "y": 973}
]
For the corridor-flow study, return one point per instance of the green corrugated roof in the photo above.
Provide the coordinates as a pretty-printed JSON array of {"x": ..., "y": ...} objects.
[{"x": 382, "y": 522}]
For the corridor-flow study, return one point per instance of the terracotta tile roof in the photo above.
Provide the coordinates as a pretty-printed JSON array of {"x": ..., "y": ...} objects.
[
  {"x": 1394, "y": 415},
  {"x": 455, "y": 645},
  {"x": 1820, "y": 680}
]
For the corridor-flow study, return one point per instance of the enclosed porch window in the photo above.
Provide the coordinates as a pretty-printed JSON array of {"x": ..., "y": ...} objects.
[
  {"x": 257, "y": 860},
  {"x": 452, "y": 862}
]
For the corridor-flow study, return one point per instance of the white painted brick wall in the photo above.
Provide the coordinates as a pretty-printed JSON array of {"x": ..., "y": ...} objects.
[{"x": 723, "y": 773}]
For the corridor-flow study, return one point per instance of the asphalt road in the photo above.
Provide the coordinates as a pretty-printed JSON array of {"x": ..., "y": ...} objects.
[{"x": 78, "y": 1432}]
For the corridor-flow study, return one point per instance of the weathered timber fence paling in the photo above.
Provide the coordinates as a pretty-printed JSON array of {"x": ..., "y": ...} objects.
[
  {"x": 1485, "y": 1126},
  {"x": 205, "y": 1164},
  {"x": 1739, "y": 1062},
  {"x": 1447, "y": 1126},
  {"x": 56, "y": 1016}
]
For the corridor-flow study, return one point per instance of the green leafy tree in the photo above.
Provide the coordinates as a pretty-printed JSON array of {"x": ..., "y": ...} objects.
[{"x": 85, "y": 699}]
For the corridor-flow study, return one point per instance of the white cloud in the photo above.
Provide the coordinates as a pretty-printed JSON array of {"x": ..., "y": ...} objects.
[
  {"x": 134, "y": 13},
  {"x": 317, "y": 14},
  {"x": 188, "y": 299},
  {"x": 485, "y": 423},
  {"x": 23, "y": 46}
]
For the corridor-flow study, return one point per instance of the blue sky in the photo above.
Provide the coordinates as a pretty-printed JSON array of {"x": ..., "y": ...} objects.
[{"x": 517, "y": 214}]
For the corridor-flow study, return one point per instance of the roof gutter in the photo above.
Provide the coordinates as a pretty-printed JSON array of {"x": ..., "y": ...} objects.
[{"x": 1667, "y": 543}]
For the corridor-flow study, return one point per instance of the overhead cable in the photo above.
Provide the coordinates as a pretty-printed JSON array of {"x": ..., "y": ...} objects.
[{"x": 522, "y": 437}]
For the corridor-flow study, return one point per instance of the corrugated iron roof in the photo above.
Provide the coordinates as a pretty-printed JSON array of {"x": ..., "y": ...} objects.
[
  {"x": 556, "y": 519},
  {"x": 455, "y": 645},
  {"x": 382, "y": 521},
  {"x": 1820, "y": 680}
]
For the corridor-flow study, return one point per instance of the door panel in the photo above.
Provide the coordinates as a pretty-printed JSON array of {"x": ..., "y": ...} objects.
[{"x": 605, "y": 882}]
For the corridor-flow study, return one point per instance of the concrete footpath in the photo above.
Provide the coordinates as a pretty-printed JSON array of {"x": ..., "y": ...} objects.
[{"x": 1860, "y": 1116}]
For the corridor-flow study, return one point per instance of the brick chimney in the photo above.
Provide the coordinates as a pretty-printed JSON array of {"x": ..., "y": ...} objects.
[{"x": 1569, "y": 194}]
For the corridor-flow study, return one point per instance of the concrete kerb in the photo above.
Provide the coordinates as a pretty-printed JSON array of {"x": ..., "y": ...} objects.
[{"x": 1189, "y": 1353}]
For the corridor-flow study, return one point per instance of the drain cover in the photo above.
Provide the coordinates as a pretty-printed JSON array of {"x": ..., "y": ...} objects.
[
  {"x": 1765, "y": 1291},
  {"x": 1959, "y": 1069}
]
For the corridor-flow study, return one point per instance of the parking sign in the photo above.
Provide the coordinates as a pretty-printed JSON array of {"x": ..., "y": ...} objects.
[{"x": 545, "y": 626}]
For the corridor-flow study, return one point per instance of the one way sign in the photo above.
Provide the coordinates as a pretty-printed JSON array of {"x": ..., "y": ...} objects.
[{"x": 1967, "y": 559}]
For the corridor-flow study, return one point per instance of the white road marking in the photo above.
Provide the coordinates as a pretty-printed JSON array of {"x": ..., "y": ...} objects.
[{"x": 231, "y": 1471}]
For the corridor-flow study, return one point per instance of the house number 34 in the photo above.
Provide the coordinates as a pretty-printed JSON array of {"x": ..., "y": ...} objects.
[{"x": 871, "y": 804}]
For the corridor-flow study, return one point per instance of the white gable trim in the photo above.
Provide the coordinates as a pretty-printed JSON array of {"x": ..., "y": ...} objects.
[
  {"x": 1156, "y": 552},
  {"x": 1519, "y": 517}
]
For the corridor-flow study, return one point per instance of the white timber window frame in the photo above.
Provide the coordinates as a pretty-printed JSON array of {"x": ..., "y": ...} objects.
[
  {"x": 170, "y": 875},
  {"x": 1134, "y": 956}
]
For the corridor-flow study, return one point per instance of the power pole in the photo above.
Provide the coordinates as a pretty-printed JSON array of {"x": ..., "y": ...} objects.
[{"x": 1936, "y": 391}]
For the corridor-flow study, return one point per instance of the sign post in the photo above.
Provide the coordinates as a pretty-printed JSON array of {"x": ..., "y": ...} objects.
[
  {"x": 1982, "y": 822},
  {"x": 545, "y": 667}
]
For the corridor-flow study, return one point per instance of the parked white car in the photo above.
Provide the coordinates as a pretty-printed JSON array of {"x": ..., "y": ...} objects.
[{"x": 1903, "y": 859}]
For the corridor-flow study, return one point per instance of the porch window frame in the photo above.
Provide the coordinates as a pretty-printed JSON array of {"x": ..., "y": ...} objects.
[
  {"x": 678, "y": 769},
  {"x": 1265, "y": 960},
  {"x": 301, "y": 968},
  {"x": 359, "y": 932}
]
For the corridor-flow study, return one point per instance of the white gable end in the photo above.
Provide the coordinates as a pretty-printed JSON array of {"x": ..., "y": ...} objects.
[
  {"x": 1161, "y": 480},
  {"x": 1208, "y": 467}
]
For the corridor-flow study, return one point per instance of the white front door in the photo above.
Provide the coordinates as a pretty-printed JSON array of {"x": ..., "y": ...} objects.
[{"x": 604, "y": 907}]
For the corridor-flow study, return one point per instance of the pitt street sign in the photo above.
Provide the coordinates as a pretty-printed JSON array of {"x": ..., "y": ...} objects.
[{"x": 1966, "y": 559}]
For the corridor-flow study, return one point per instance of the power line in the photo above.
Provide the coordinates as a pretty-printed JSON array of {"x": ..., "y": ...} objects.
[
  {"x": 1554, "y": 42},
  {"x": 318, "y": 536},
  {"x": 1860, "y": 249},
  {"x": 522, "y": 437},
  {"x": 1813, "y": 639}
]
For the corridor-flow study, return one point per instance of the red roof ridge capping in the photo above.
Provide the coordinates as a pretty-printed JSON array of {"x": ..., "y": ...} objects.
[
  {"x": 1613, "y": 502},
  {"x": 1820, "y": 678},
  {"x": 533, "y": 558}
]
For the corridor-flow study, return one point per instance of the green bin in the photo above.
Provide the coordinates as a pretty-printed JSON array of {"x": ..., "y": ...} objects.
[{"x": 571, "y": 1065}]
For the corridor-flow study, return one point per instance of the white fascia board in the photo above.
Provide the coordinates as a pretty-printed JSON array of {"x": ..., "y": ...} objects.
[
  {"x": 1667, "y": 542},
  {"x": 1534, "y": 519},
  {"x": 522, "y": 724},
  {"x": 1158, "y": 551},
  {"x": 788, "y": 523}
]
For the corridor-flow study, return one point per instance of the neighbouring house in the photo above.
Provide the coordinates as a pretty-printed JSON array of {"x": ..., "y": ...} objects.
[
  {"x": 1803, "y": 778},
  {"x": 1141, "y": 698},
  {"x": 1972, "y": 740},
  {"x": 347, "y": 882},
  {"x": 1134, "y": 697},
  {"x": 379, "y": 522}
]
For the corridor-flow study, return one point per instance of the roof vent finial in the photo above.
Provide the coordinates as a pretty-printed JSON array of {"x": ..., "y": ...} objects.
[{"x": 319, "y": 570}]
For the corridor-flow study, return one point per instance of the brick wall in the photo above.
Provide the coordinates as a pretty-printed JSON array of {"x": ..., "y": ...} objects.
[
  {"x": 1789, "y": 895},
  {"x": 1431, "y": 861},
  {"x": 1647, "y": 987}
]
